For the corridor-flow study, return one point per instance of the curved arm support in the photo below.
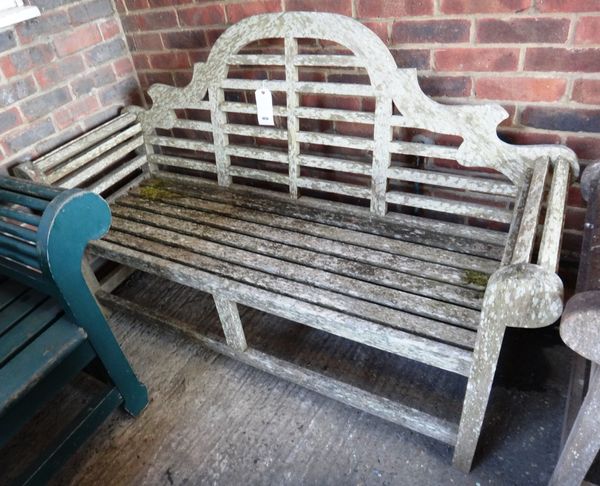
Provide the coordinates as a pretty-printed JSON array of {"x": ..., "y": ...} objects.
[
  {"x": 523, "y": 295},
  {"x": 519, "y": 295},
  {"x": 580, "y": 324},
  {"x": 70, "y": 220},
  {"x": 590, "y": 178}
]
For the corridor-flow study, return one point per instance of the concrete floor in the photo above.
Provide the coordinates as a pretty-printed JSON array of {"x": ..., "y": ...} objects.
[{"x": 212, "y": 420}]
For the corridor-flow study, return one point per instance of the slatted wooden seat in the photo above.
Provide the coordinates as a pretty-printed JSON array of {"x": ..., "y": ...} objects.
[
  {"x": 51, "y": 327},
  {"x": 341, "y": 216}
]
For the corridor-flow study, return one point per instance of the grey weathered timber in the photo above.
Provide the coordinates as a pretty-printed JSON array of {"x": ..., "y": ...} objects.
[
  {"x": 580, "y": 330},
  {"x": 356, "y": 232}
]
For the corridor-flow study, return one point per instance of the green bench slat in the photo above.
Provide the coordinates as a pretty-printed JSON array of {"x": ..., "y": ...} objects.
[
  {"x": 19, "y": 308},
  {"x": 27, "y": 329},
  {"x": 44, "y": 353},
  {"x": 9, "y": 291}
]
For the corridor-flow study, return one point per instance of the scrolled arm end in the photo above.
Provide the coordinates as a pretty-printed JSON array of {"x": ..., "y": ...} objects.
[{"x": 523, "y": 295}]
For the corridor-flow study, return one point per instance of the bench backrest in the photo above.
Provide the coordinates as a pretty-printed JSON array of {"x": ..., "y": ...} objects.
[{"x": 347, "y": 121}]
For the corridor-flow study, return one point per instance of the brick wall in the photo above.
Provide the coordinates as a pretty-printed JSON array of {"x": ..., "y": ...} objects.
[
  {"x": 60, "y": 74},
  {"x": 539, "y": 58}
]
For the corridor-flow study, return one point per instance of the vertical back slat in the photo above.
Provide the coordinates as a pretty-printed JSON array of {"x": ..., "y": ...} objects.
[
  {"x": 382, "y": 137},
  {"x": 292, "y": 99},
  {"x": 220, "y": 138}
]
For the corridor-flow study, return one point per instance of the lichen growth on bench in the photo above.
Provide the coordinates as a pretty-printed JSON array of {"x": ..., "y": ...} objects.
[
  {"x": 155, "y": 190},
  {"x": 476, "y": 278}
]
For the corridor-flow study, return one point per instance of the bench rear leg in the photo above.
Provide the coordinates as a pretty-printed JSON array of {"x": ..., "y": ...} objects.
[
  {"x": 231, "y": 322},
  {"x": 479, "y": 386},
  {"x": 583, "y": 442}
]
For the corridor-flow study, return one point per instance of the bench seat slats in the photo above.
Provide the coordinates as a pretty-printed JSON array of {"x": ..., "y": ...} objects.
[
  {"x": 8, "y": 294},
  {"x": 291, "y": 280},
  {"x": 342, "y": 263},
  {"x": 29, "y": 326},
  {"x": 334, "y": 268},
  {"x": 42, "y": 355},
  {"x": 478, "y": 241},
  {"x": 399, "y": 255},
  {"x": 19, "y": 308},
  {"x": 347, "y": 227},
  {"x": 448, "y": 206},
  {"x": 188, "y": 269}
]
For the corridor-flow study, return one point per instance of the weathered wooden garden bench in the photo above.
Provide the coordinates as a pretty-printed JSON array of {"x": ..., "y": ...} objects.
[
  {"x": 51, "y": 326},
  {"x": 331, "y": 218}
]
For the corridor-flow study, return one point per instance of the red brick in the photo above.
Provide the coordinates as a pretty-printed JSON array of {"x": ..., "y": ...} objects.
[
  {"x": 198, "y": 55},
  {"x": 567, "y": 5},
  {"x": 483, "y": 6},
  {"x": 75, "y": 111},
  {"x": 343, "y": 7},
  {"x": 77, "y": 40},
  {"x": 238, "y": 11},
  {"x": 123, "y": 67},
  {"x": 415, "y": 58},
  {"x": 521, "y": 137},
  {"x": 7, "y": 67},
  {"x": 393, "y": 8},
  {"x": 320, "y": 101},
  {"x": 25, "y": 60},
  {"x": 168, "y": 3},
  {"x": 190, "y": 39},
  {"x": 199, "y": 15},
  {"x": 140, "y": 61},
  {"x": 212, "y": 35},
  {"x": 574, "y": 198},
  {"x": 150, "y": 21},
  {"x": 170, "y": 60},
  {"x": 428, "y": 31},
  {"x": 148, "y": 79},
  {"x": 56, "y": 72},
  {"x": 446, "y": 86},
  {"x": 587, "y": 91},
  {"x": 557, "y": 59},
  {"x": 137, "y": 4},
  {"x": 574, "y": 218},
  {"x": 380, "y": 28},
  {"x": 520, "y": 89},
  {"x": 476, "y": 59},
  {"x": 515, "y": 31},
  {"x": 9, "y": 119},
  {"x": 109, "y": 29},
  {"x": 147, "y": 41},
  {"x": 588, "y": 30},
  {"x": 586, "y": 148},
  {"x": 561, "y": 119}
]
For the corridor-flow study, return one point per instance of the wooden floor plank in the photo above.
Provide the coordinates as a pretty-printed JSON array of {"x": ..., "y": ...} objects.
[
  {"x": 346, "y": 265},
  {"x": 180, "y": 247},
  {"x": 427, "y": 232}
]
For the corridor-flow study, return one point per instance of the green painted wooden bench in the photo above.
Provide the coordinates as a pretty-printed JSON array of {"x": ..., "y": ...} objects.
[
  {"x": 335, "y": 216},
  {"x": 51, "y": 326}
]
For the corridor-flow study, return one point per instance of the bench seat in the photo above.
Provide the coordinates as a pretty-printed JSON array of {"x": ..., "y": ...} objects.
[{"x": 361, "y": 279}]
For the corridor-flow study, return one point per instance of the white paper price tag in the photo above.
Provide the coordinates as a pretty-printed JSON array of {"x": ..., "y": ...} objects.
[{"x": 264, "y": 106}]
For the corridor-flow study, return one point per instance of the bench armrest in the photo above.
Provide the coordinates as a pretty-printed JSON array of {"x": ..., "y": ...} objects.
[
  {"x": 556, "y": 201},
  {"x": 44, "y": 231}
]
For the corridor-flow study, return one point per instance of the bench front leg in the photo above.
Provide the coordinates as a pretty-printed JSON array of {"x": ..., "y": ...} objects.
[
  {"x": 231, "y": 322},
  {"x": 520, "y": 295}
]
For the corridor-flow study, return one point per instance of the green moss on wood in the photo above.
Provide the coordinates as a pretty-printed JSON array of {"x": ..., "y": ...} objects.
[
  {"x": 155, "y": 189},
  {"x": 476, "y": 278}
]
